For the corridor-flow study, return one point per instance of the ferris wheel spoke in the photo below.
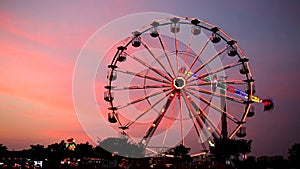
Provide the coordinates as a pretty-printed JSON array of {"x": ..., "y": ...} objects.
[
  {"x": 200, "y": 139},
  {"x": 208, "y": 61},
  {"x": 187, "y": 52},
  {"x": 143, "y": 98},
  {"x": 129, "y": 135},
  {"x": 231, "y": 117},
  {"x": 150, "y": 108},
  {"x": 199, "y": 83},
  {"x": 157, "y": 60},
  {"x": 141, "y": 75},
  {"x": 169, "y": 121},
  {"x": 233, "y": 81},
  {"x": 157, "y": 121},
  {"x": 216, "y": 71},
  {"x": 160, "y": 73},
  {"x": 181, "y": 121},
  {"x": 204, "y": 117},
  {"x": 235, "y": 131},
  {"x": 176, "y": 49},
  {"x": 231, "y": 98},
  {"x": 197, "y": 56},
  {"x": 166, "y": 53},
  {"x": 134, "y": 87},
  {"x": 195, "y": 116},
  {"x": 205, "y": 82}
]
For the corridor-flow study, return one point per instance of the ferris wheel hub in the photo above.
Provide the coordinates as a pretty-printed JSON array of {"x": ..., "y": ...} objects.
[{"x": 179, "y": 83}]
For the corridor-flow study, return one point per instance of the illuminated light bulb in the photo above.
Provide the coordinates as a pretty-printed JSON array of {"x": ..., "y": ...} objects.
[
  {"x": 211, "y": 143},
  {"x": 144, "y": 141}
]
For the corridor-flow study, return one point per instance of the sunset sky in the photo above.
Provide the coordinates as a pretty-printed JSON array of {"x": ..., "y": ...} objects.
[{"x": 41, "y": 40}]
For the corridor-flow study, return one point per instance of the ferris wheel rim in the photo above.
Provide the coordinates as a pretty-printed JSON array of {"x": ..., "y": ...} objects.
[{"x": 242, "y": 60}]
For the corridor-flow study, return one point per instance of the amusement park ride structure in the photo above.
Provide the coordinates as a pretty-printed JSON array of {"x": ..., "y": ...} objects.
[{"x": 180, "y": 71}]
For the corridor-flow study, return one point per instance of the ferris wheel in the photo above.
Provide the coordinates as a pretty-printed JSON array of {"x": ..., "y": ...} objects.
[{"x": 180, "y": 81}]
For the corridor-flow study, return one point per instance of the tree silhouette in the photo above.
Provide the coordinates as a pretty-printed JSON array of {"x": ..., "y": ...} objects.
[
  {"x": 181, "y": 151},
  {"x": 56, "y": 152},
  {"x": 181, "y": 154},
  {"x": 84, "y": 150},
  {"x": 3, "y": 151},
  {"x": 37, "y": 152},
  {"x": 122, "y": 147},
  {"x": 225, "y": 148},
  {"x": 294, "y": 155},
  {"x": 101, "y": 152}
]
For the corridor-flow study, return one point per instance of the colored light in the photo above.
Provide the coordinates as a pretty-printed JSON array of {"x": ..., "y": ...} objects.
[{"x": 228, "y": 88}]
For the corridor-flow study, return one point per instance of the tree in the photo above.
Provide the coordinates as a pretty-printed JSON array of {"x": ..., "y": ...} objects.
[
  {"x": 181, "y": 151},
  {"x": 56, "y": 152},
  {"x": 122, "y": 147},
  {"x": 37, "y": 152},
  {"x": 84, "y": 150},
  {"x": 3, "y": 150},
  {"x": 224, "y": 148},
  {"x": 294, "y": 155}
]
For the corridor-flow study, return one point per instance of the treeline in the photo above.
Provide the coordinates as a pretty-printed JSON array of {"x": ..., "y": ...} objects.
[{"x": 54, "y": 154}]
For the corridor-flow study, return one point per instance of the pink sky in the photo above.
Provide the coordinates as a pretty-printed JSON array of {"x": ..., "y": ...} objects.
[{"x": 41, "y": 40}]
